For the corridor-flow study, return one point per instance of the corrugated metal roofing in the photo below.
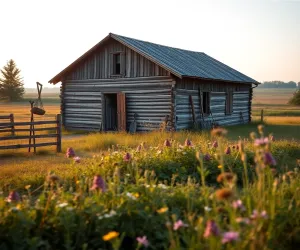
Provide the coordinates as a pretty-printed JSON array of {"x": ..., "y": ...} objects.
[
  {"x": 185, "y": 63},
  {"x": 182, "y": 63}
]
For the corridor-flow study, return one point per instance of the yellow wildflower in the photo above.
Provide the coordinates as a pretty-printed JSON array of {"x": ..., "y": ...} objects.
[
  {"x": 136, "y": 195},
  {"x": 110, "y": 235},
  {"x": 162, "y": 210},
  {"x": 27, "y": 186},
  {"x": 220, "y": 166}
]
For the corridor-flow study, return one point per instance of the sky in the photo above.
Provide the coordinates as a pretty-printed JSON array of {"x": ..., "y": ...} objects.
[{"x": 260, "y": 38}]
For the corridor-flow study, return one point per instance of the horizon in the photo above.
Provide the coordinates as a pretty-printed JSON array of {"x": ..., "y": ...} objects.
[{"x": 259, "y": 38}]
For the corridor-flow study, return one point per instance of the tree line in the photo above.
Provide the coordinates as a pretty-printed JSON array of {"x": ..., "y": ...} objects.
[{"x": 279, "y": 84}]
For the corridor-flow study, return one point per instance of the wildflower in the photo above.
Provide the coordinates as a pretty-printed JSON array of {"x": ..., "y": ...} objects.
[
  {"x": 143, "y": 241},
  {"x": 167, "y": 143},
  {"x": 211, "y": 229},
  {"x": 188, "y": 143},
  {"x": 215, "y": 144},
  {"x": 272, "y": 138},
  {"x": 242, "y": 220},
  {"x": 98, "y": 183},
  {"x": 162, "y": 210},
  {"x": 255, "y": 215},
  {"x": 219, "y": 132},
  {"x": 27, "y": 187},
  {"x": 207, "y": 209},
  {"x": 269, "y": 159},
  {"x": 70, "y": 153},
  {"x": 238, "y": 204},
  {"x": 261, "y": 142},
  {"x": 228, "y": 150},
  {"x": 290, "y": 174},
  {"x": 178, "y": 224},
  {"x": 127, "y": 157},
  {"x": 76, "y": 159},
  {"x": 207, "y": 157},
  {"x": 131, "y": 196},
  {"x": 260, "y": 128},
  {"x": 111, "y": 235},
  {"x": 162, "y": 186},
  {"x": 108, "y": 215},
  {"x": 61, "y": 205},
  {"x": 230, "y": 237},
  {"x": 226, "y": 177},
  {"x": 13, "y": 197},
  {"x": 224, "y": 194}
]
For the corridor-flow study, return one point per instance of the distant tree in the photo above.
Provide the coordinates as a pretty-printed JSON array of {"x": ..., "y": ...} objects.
[
  {"x": 11, "y": 83},
  {"x": 295, "y": 100}
]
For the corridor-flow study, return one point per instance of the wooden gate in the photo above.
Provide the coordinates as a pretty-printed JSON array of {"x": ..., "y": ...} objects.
[{"x": 121, "y": 112}]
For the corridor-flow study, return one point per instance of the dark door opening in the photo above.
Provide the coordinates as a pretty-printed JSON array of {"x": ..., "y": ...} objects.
[{"x": 111, "y": 119}]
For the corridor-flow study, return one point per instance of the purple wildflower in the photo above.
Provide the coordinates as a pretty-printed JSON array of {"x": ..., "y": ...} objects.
[
  {"x": 167, "y": 143},
  {"x": 70, "y": 153},
  {"x": 178, "y": 224},
  {"x": 211, "y": 229},
  {"x": 143, "y": 241},
  {"x": 98, "y": 183},
  {"x": 188, "y": 143},
  {"x": 228, "y": 150},
  {"x": 261, "y": 142},
  {"x": 215, "y": 144},
  {"x": 207, "y": 157},
  {"x": 127, "y": 157},
  {"x": 269, "y": 159},
  {"x": 230, "y": 237},
  {"x": 13, "y": 197},
  {"x": 238, "y": 204}
]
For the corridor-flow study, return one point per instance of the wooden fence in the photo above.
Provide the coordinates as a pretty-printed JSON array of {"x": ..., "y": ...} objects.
[{"x": 21, "y": 131}]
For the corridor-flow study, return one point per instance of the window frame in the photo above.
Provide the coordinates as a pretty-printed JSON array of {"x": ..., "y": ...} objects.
[
  {"x": 206, "y": 103},
  {"x": 113, "y": 73},
  {"x": 115, "y": 63}
]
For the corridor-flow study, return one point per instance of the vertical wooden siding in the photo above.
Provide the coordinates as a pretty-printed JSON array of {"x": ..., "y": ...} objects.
[
  {"x": 187, "y": 87},
  {"x": 98, "y": 65}
]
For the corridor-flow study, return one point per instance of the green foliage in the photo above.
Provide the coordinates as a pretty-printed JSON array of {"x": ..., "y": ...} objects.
[
  {"x": 11, "y": 83},
  {"x": 295, "y": 100},
  {"x": 151, "y": 189}
]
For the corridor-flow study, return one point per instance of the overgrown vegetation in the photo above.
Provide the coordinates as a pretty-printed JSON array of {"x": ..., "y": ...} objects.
[{"x": 208, "y": 193}]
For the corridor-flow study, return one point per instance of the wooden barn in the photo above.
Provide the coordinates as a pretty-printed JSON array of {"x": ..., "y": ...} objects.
[{"x": 127, "y": 84}]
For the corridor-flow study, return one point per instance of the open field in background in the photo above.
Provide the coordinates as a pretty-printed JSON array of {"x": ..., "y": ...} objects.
[{"x": 272, "y": 96}]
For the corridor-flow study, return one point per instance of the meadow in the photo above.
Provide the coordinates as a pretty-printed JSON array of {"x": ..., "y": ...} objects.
[{"x": 224, "y": 189}]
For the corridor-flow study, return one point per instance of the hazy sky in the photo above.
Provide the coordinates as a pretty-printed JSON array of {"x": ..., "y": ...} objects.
[{"x": 260, "y": 38}]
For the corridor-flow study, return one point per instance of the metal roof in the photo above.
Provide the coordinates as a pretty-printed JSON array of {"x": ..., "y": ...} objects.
[{"x": 182, "y": 63}]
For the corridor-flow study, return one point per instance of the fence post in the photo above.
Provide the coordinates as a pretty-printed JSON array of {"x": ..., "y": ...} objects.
[
  {"x": 262, "y": 116},
  {"x": 12, "y": 121},
  {"x": 58, "y": 132}
]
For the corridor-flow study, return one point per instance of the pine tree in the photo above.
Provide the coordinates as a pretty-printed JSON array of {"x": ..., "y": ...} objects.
[{"x": 11, "y": 83}]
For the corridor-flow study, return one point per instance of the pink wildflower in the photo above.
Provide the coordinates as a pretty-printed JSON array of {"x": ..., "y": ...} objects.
[
  {"x": 238, "y": 204},
  {"x": 13, "y": 197},
  {"x": 207, "y": 157},
  {"x": 70, "y": 153},
  {"x": 255, "y": 215},
  {"x": 98, "y": 183},
  {"x": 230, "y": 237},
  {"x": 143, "y": 241},
  {"x": 215, "y": 144},
  {"x": 178, "y": 224},
  {"x": 188, "y": 143},
  {"x": 76, "y": 159},
  {"x": 127, "y": 157},
  {"x": 261, "y": 142},
  {"x": 211, "y": 229},
  {"x": 228, "y": 151},
  {"x": 237, "y": 147},
  {"x": 167, "y": 143},
  {"x": 269, "y": 159},
  {"x": 242, "y": 220}
]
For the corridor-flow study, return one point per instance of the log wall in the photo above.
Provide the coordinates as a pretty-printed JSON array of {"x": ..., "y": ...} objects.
[
  {"x": 242, "y": 94},
  {"x": 148, "y": 97},
  {"x": 98, "y": 65}
]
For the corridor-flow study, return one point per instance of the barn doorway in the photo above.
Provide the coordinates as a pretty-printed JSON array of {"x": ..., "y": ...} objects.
[
  {"x": 111, "y": 122},
  {"x": 114, "y": 107}
]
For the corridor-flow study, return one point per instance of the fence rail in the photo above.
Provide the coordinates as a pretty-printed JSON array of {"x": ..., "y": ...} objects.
[{"x": 12, "y": 128}]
